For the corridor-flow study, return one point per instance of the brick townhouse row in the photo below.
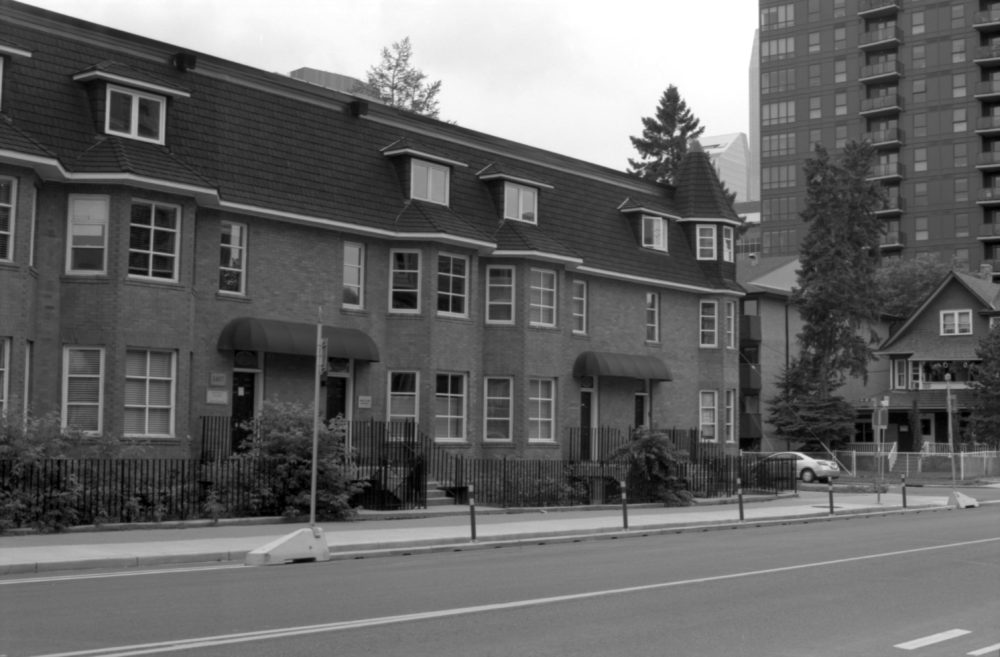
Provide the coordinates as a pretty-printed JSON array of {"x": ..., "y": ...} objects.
[{"x": 174, "y": 227}]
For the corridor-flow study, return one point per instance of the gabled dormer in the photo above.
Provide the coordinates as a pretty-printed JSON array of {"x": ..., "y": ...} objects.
[
  {"x": 129, "y": 103},
  {"x": 426, "y": 174},
  {"x": 651, "y": 225},
  {"x": 708, "y": 217},
  {"x": 514, "y": 191}
]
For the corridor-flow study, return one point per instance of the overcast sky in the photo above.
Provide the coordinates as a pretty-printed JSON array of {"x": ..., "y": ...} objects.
[{"x": 570, "y": 76}]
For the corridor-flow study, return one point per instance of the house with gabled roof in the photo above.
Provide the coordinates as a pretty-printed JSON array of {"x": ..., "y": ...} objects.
[
  {"x": 933, "y": 357},
  {"x": 175, "y": 226}
]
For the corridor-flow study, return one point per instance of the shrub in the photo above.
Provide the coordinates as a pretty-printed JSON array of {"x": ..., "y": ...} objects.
[{"x": 654, "y": 460}]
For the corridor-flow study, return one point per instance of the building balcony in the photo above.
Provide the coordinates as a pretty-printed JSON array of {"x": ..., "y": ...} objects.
[
  {"x": 886, "y": 171},
  {"x": 989, "y": 232},
  {"x": 989, "y": 196},
  {"x": 892, "y": 241},
  {"x": 888, "y": 138},
  {"x": 986, "y": 125},
  {"x": 987, "y": 21},
  {"x": 872, "y": 8},
  {"x": 750, "y": 425},
  {"x": 887, "y": 37},
  {"x": 988, "y": 89},
  {"x": 987, "y": 55},
  {"x": 749, "y": 377},
  {"x": 989, "y": 160},
  {"x": 750, "y": 329},
  {"x": 888, "y": 104},
  {"x": 881, "y": 72},
  {"x": 891, "y": 207}
]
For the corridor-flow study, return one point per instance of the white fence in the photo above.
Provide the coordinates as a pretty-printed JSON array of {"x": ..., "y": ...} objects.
[{"x": 926, "y": 464}]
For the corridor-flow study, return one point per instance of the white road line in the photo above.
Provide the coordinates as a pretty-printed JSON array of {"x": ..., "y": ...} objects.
[
  {"x": 985, "y": 651},
  {"x": 932, "y": 639},
  {"x": 244, "y": 637}
]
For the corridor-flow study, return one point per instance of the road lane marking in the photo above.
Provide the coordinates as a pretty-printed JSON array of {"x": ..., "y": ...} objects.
[
  {"x": 923, "y": 642},
  {"x": 984, "y": 651},
  {"x": 277, "y": 633}
]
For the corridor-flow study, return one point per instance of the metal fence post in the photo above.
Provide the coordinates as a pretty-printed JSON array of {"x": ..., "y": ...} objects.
[
  {"x": 829, "y": 485},
  {"x": 904, "y": 491},
  {"x": 624, "y": 505}
]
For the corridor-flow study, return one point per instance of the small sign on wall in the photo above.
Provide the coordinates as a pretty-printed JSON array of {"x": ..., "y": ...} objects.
[
  {"x": 364, "y": 401},
  {"x": 217, "y": 397},
  {"x": 217, "y": 379}
]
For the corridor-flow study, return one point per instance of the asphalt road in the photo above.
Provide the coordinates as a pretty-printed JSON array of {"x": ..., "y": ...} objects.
[{"x": 876, "y": 586}]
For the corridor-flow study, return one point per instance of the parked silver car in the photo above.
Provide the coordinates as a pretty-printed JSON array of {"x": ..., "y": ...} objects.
[{"x": 810, "y": 468}]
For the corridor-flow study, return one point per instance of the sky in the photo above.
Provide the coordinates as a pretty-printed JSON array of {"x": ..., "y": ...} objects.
[{"x": 570, "y": 76}]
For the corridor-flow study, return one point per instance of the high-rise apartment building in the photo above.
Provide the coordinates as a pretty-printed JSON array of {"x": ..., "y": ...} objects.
[{"x": 920, "y": 80}]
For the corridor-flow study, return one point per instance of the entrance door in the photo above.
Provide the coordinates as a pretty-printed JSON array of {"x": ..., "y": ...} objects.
[
  {"x": 586, "y": 424},
  {"x": 244, "y": 390},
  {"x": 336, "y": 397},
  {"x": 926, "y": 428}
]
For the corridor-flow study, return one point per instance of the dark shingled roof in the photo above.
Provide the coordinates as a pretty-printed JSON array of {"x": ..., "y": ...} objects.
[
  {"x": 115, "y": 154},
  {"x": 699, "y": 192}
]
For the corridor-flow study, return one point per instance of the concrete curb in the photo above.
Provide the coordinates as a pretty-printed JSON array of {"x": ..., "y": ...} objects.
[{"x": 432, "y": 545}]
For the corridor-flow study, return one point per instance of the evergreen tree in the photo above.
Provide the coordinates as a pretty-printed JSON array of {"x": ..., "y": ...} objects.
[
  {"x": 398, "y": 84},
  {"x": 664, "y": 139},
  {"x": 836, "y": 296},
  {"x": 984, "y": 418}
]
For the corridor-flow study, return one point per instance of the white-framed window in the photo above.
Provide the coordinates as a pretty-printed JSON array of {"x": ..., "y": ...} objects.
[
  {"x": 154, "y": 241},
  {"x": 730, "y": 324},
  {"x": 706, "y": 242},
  {"x": 652, "y": 317},
  {"x": 233, "y": 258},
  {"x": 956, "y": 322},
  {"x": 8, "y": 193},
  {"x": 449, "y": 407},
  {"x": 83, "y": 389},
  {"x": 708, "y": 333},
  {"x": 900, "y": 374},
  {"x": 402, "y": 406},
  {"x": 730, "y": 427},
  {"x": 520, "y": 202},
  {"x": 429, "y": 181},
  {"x": 4, "y": 375},
  {"x": 708, "y": 415},
  {"x": 135, "y": 114},
  {"x": 654, "y": 232},
  {"x": 728, "y": 240},
  {"x": 87, "y": 234},
  {"x": 353, "y": 292},
  {"x": 499, "y": 295},
  {"x": 404, "y": 281},
  {"x": 580, "y": 307},
  {"x": 498, "y": 408},
  {"x": 543, "y": 297},
  {"x": 149, "y": 392},
  {"x": 541, "y": 410},
  {"x": 452, "y": 285}
]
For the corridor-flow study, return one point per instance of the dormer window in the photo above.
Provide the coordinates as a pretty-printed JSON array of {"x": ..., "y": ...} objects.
[
  {"x": 728, "y": 240},
  {"x": 706, "y": 242},
  {"x": 520, "y": 203},
  {"x": 135, "y": 115},
  {"x": 654, "y": 232},
  {"x": 429, "y": 182}
]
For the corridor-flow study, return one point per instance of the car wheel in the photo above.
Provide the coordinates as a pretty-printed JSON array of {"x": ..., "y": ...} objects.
[{"x": 808, "y": 475}]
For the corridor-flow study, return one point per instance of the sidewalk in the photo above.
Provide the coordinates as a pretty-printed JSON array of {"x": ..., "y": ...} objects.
[{"x": 438, "y": 528}]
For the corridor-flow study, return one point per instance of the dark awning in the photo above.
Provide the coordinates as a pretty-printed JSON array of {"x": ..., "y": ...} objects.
[
  {"x": 605, "y": 363},
  {"x": 299, "y": 338}
]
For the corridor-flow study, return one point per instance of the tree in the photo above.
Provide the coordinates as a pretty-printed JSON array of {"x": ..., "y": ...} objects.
[
  {"x": 398, "y": 84},
  {"x": 904, "y": 284},
  {"x": 665, "y": 138},
  {"x": 984, "y": 418},
  {"x": 836, "y": 295}
]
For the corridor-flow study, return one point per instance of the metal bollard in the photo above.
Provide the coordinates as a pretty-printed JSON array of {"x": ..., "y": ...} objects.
[
  {"x": 904, "y": 490},
  {"x": 624, "y": 505},
  {"x": 472, "y": 511},
  {"x": 739, "y": 495},
  {"x": 830, "y": 488}
]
